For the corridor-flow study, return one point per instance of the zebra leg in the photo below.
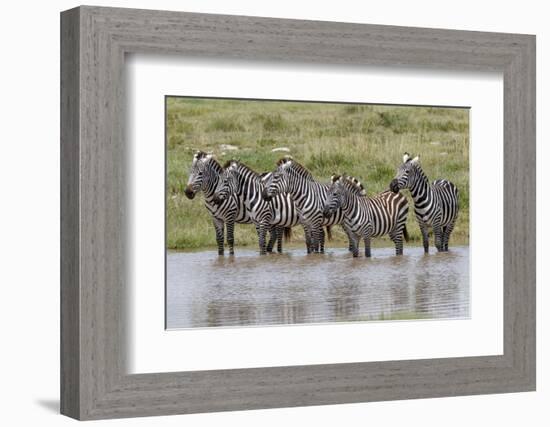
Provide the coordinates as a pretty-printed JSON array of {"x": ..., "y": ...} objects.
[
  {"x": 446, "y": 235},
  {"x": 354, "y": 240},
  {"x": 438, "y": 237},
  {"x": 397, "y": 239},
  {"x": 230, "y": 236},
  {"x": 322, "y": 241},
  {"x": 307, "y": 231},
  {"x": 367, "y": 246},
  {"x": 280, "y": 231},
  {"x": 425, "y": 239},
  {"x": 272, "y": 238},
  {"x": 218, "y": 225},
  {"x": 307, "y": 235},
  {"x": 316, "y": 233},
  {"x": 314, "y": 240},
  {"x": 349, "y": 236},
  {"x": 350, "y": 243},
  {"x": 257, "y": 226},
  {"x": 262, "y": 229}
]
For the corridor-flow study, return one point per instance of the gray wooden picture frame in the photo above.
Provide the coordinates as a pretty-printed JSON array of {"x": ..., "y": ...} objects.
[{"x": 94, "y": 381}]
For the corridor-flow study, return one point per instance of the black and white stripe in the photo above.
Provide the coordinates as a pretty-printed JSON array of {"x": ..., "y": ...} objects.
[
  {"x": 292, "y": 178},
  {"x": 204, "y": 176},
  {"x": 366, "y": 217},
  {"x": 279, "y": 213},
  {"x": 435, "y": 205}
]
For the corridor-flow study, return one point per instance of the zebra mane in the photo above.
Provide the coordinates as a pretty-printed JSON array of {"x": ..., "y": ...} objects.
[
  {"x": 288, "y": 161},
  {"x": 238, "y": 163},
  {"x": 284, "y": 160},
  {"x": 353, "y": 185},
  {"x": 207, "y": 157},
  {"x": 200, "y": 155}
]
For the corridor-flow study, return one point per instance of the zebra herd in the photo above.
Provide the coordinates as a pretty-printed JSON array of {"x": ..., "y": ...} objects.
[{"x": 277, "y": 201}]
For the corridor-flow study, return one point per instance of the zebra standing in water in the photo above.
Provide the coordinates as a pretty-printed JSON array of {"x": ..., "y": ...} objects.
[
  {"x": 366, "y": 217},
  {"x": 292, "y": 178},
  {"x": 279, "y": 213},
  {"x": 435, "y": 205},
  {"x": 204, "y": 176}
]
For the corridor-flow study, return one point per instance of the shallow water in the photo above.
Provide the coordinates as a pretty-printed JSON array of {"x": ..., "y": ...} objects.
[{"x": 205, "y": 290}]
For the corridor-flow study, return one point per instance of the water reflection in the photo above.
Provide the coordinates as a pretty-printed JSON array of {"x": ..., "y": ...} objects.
[{"x": 205, "y": 290}]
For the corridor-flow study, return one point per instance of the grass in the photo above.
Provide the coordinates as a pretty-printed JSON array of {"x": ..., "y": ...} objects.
[{"x": 366, "y": 141}]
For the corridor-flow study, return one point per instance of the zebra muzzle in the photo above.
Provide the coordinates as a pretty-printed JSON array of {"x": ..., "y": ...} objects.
[
  {"x": 394, "y": 186},
  {"x": 189, "y": 193},
  {"x": 266, "y": 196}
]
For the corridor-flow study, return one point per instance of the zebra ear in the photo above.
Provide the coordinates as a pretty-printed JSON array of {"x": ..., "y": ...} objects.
[
  {"x": 415, "y": 160},
  {"x": 199, "y": 155},
  {"x": 405, "y": 157}
]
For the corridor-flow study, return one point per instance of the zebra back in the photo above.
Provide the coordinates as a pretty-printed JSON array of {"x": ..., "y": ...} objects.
[
  {"x": 308, "y": 194},
  {"x": 248, "y": 185},
  {"x": 389, "y": 212},
  {"x": 446, "y": 194},
  {"x": 386, "y": 211}
]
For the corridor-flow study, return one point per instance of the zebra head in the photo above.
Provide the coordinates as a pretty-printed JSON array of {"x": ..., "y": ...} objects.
[
  {"x": 334, "y": 196},
  {"x": 276, "y": 182},
  {"x": 338, "y": 190},
  {"x": 265, "y": 178},
  {"x": 405, "y": 174},
  {"x": 200, "y": 174},
  {"x": 227, "y": 184}
]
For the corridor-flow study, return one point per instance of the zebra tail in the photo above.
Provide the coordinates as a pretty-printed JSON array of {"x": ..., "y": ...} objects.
[
  {"x": 405, "y": 233},
  {"x": 329, "y": 232},
  {"x": 287, "y": 234}
]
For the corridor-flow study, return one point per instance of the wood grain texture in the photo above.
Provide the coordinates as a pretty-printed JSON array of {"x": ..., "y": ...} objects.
[
  {"x": 94, "y": 272},
  {"x": 70, "y": 220}
]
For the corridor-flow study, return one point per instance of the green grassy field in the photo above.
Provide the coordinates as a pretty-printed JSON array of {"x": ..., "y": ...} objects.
[{"x": 366, "y": 141}]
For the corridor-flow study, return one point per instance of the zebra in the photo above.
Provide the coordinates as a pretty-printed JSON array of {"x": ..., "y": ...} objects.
[
  {"x": 435, "y": 205},
  {"x": 280, "y": 213},
  {"x": 309, "y": 196},
  {"x": 367, "y": 217},
  {"x": 204, "y": 176}
]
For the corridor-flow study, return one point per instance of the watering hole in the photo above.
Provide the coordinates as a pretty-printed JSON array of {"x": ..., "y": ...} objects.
[{"x": 204, "y": 290}]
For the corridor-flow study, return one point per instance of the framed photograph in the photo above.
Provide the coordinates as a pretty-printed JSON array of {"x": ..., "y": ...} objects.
[
  {"x": 305, "y": 141},
  {"x": 345, "y": 212}
]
